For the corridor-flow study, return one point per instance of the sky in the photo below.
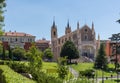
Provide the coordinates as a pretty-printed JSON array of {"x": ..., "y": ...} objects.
[{"x": 36, "y": 16}]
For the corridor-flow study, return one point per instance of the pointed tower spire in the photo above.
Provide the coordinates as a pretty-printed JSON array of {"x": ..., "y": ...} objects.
[
  {"x": 92, "y": 26},
  {"x": 68, "y": 28},
  {"x": 68, "y": 23},
  {"x": 54, "y": 21},
  {"x": 98, "y": 37},
  {"x": 78, "y": 25}
]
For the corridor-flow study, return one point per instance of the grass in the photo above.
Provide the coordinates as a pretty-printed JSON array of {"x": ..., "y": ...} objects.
[
  {"x": 9, "y": 76},
  {"x": 85, "y": 66},
  {"x": 110, "y": 81}
]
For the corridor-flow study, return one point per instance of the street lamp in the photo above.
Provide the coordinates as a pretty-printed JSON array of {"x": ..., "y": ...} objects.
[
  {"x": 118, "y": 75},
  {"x": 93, "y": 74},
  {"x": 111, "y": 75},
  {"x": 102, "y": 75}
]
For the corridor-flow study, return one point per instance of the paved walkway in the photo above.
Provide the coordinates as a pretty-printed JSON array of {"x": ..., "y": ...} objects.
[{"x": 74, "y": 72}]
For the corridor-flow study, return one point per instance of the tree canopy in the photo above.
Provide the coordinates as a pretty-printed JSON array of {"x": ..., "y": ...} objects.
[
  {"x": 18, "y": 53},
  {"x": 48, "y": 54},
  {"x": 101, "y": 60},
  {"x": 69, "y": 50},
  {"x": 2, "y": 5}
]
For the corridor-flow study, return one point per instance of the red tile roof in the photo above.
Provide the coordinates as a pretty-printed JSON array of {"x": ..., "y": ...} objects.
[
  {"x": 42, "y": 41},
  {"x": 16, "y": 34}
]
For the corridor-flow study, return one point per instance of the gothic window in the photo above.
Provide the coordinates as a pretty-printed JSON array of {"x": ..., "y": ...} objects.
[
  {"x": 58, "y": 41},
  {"x": 54, "y": 33},
  {"x": 65, "y": 39},
  {"x": 86, "y": 37},
  {"x": 85, "y": 30},
  {"x": 69, "y": 38}
]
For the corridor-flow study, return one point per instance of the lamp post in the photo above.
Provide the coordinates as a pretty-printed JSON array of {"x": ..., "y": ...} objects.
[
  {"x": 93, "y": 74},
  {"x": 96, "y": 73},
  {"x": 111, "y": 75},
  {"x": 102, "y": 75},
  {"x": 118, "y": 75}
]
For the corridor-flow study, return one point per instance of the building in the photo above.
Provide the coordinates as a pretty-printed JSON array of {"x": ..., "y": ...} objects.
[
  {"x": 42, "y": 44},
  {"x": 83, "y": 38},
  {"x": 20, "y": 39},
  {"x": 110, "y": 48}
]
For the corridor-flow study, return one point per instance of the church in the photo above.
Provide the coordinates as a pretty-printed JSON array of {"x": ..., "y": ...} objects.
[{"x": 83, "y": 37}]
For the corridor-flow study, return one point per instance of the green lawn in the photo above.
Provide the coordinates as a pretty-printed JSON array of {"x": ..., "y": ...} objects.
[
  {"x": 110, "y": 81},
  {"x": 85, "y": 66},
  {"x": 49, "y": 65}
]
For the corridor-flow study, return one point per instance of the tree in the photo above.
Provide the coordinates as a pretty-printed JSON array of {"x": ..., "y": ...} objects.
[
  {"x": 101, "y": 60},
  {"x": 34, "y": 57},
  {"x": 118, "y": 21},
  {"x": 10, "y": 53},
  {"x": 48, "y": 54},
  {"x": 3, "y": 53},
  {"x": 18, "y": 53},
  {"x": 62, "y": 68},
  {"x": 69, "y": 50},
  {"x": 2, "y": 5}
]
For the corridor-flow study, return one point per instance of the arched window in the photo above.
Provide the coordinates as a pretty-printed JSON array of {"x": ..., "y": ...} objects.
[
  {"x": 86, "y": 37},
  {"x": 54, "y": 33}
]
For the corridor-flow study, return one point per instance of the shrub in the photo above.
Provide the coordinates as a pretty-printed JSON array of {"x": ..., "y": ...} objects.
[
  {"x": 9, "y": 76},
  {"x": 86, "y": 73}
]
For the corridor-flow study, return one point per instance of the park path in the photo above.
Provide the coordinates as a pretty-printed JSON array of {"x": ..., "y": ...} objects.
[{"x": 74, "y": 72}]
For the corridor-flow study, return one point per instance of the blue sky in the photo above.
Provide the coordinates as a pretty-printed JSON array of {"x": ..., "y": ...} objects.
[{"x": 36, "y": 16}]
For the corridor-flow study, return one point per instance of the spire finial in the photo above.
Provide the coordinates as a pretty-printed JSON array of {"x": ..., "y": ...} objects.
[
  {"x": 78, "y": 25},
  {"x": 53, "y": 20},
  {"x": 92, "y": 25},
  {"x": 98, "y": 37},
  {"x": 68, "y": 23}
]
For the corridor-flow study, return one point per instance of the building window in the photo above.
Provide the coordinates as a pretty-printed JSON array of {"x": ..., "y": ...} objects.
[
  {"x": 2, "y": 39},
  {"x": 65, "y": 39},
  {"x": 16, "y": 39},
  {"x": 86, "y": 37},
  {"x": 69, "y": 38},
  {"x": 54, "y": 33},
  {"x": 85, "y": 30},
  {"x": 58, "y": 41},
  {"x": 30, "y": 40}
]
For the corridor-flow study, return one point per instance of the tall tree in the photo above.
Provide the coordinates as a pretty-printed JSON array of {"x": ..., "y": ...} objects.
[
  {"x": 10, "y": 53},
  {"x": 62, "y": 68},
  {"x": 35, "y": 59},
  {"x": 18, "y": 53},
  {"x": 2, "y": 5},
  {"x": 3, "y": 53},
  {"x": 101, "y": 60},
  {"x": 48, "y": 54},
  {"x": 69, "y": 50}
]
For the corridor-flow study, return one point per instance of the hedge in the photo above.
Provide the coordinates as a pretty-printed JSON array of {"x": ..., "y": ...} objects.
[{"x": 7, "y": 75}]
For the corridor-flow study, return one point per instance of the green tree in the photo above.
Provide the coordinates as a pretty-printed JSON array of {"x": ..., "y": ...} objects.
[
  {"x": 1, "y": 48},
  {"x": 69, "y": 50},
  {"x": 2, "y": 5},
  {"x": 48, "y": 54},
  {"x": 118, "y": 21},
  {"x": 3, "y": 53},
  {"x": 10, "y": 53},
  {"x": 35, "y": 60},
  {"x": 18, "y": 53},
  {"x": 101, "y": 60},
  {"x": 62, "y": 68}
]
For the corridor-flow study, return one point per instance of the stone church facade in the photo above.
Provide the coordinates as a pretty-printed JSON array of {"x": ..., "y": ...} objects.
[{"x": 84, "y": 39}]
